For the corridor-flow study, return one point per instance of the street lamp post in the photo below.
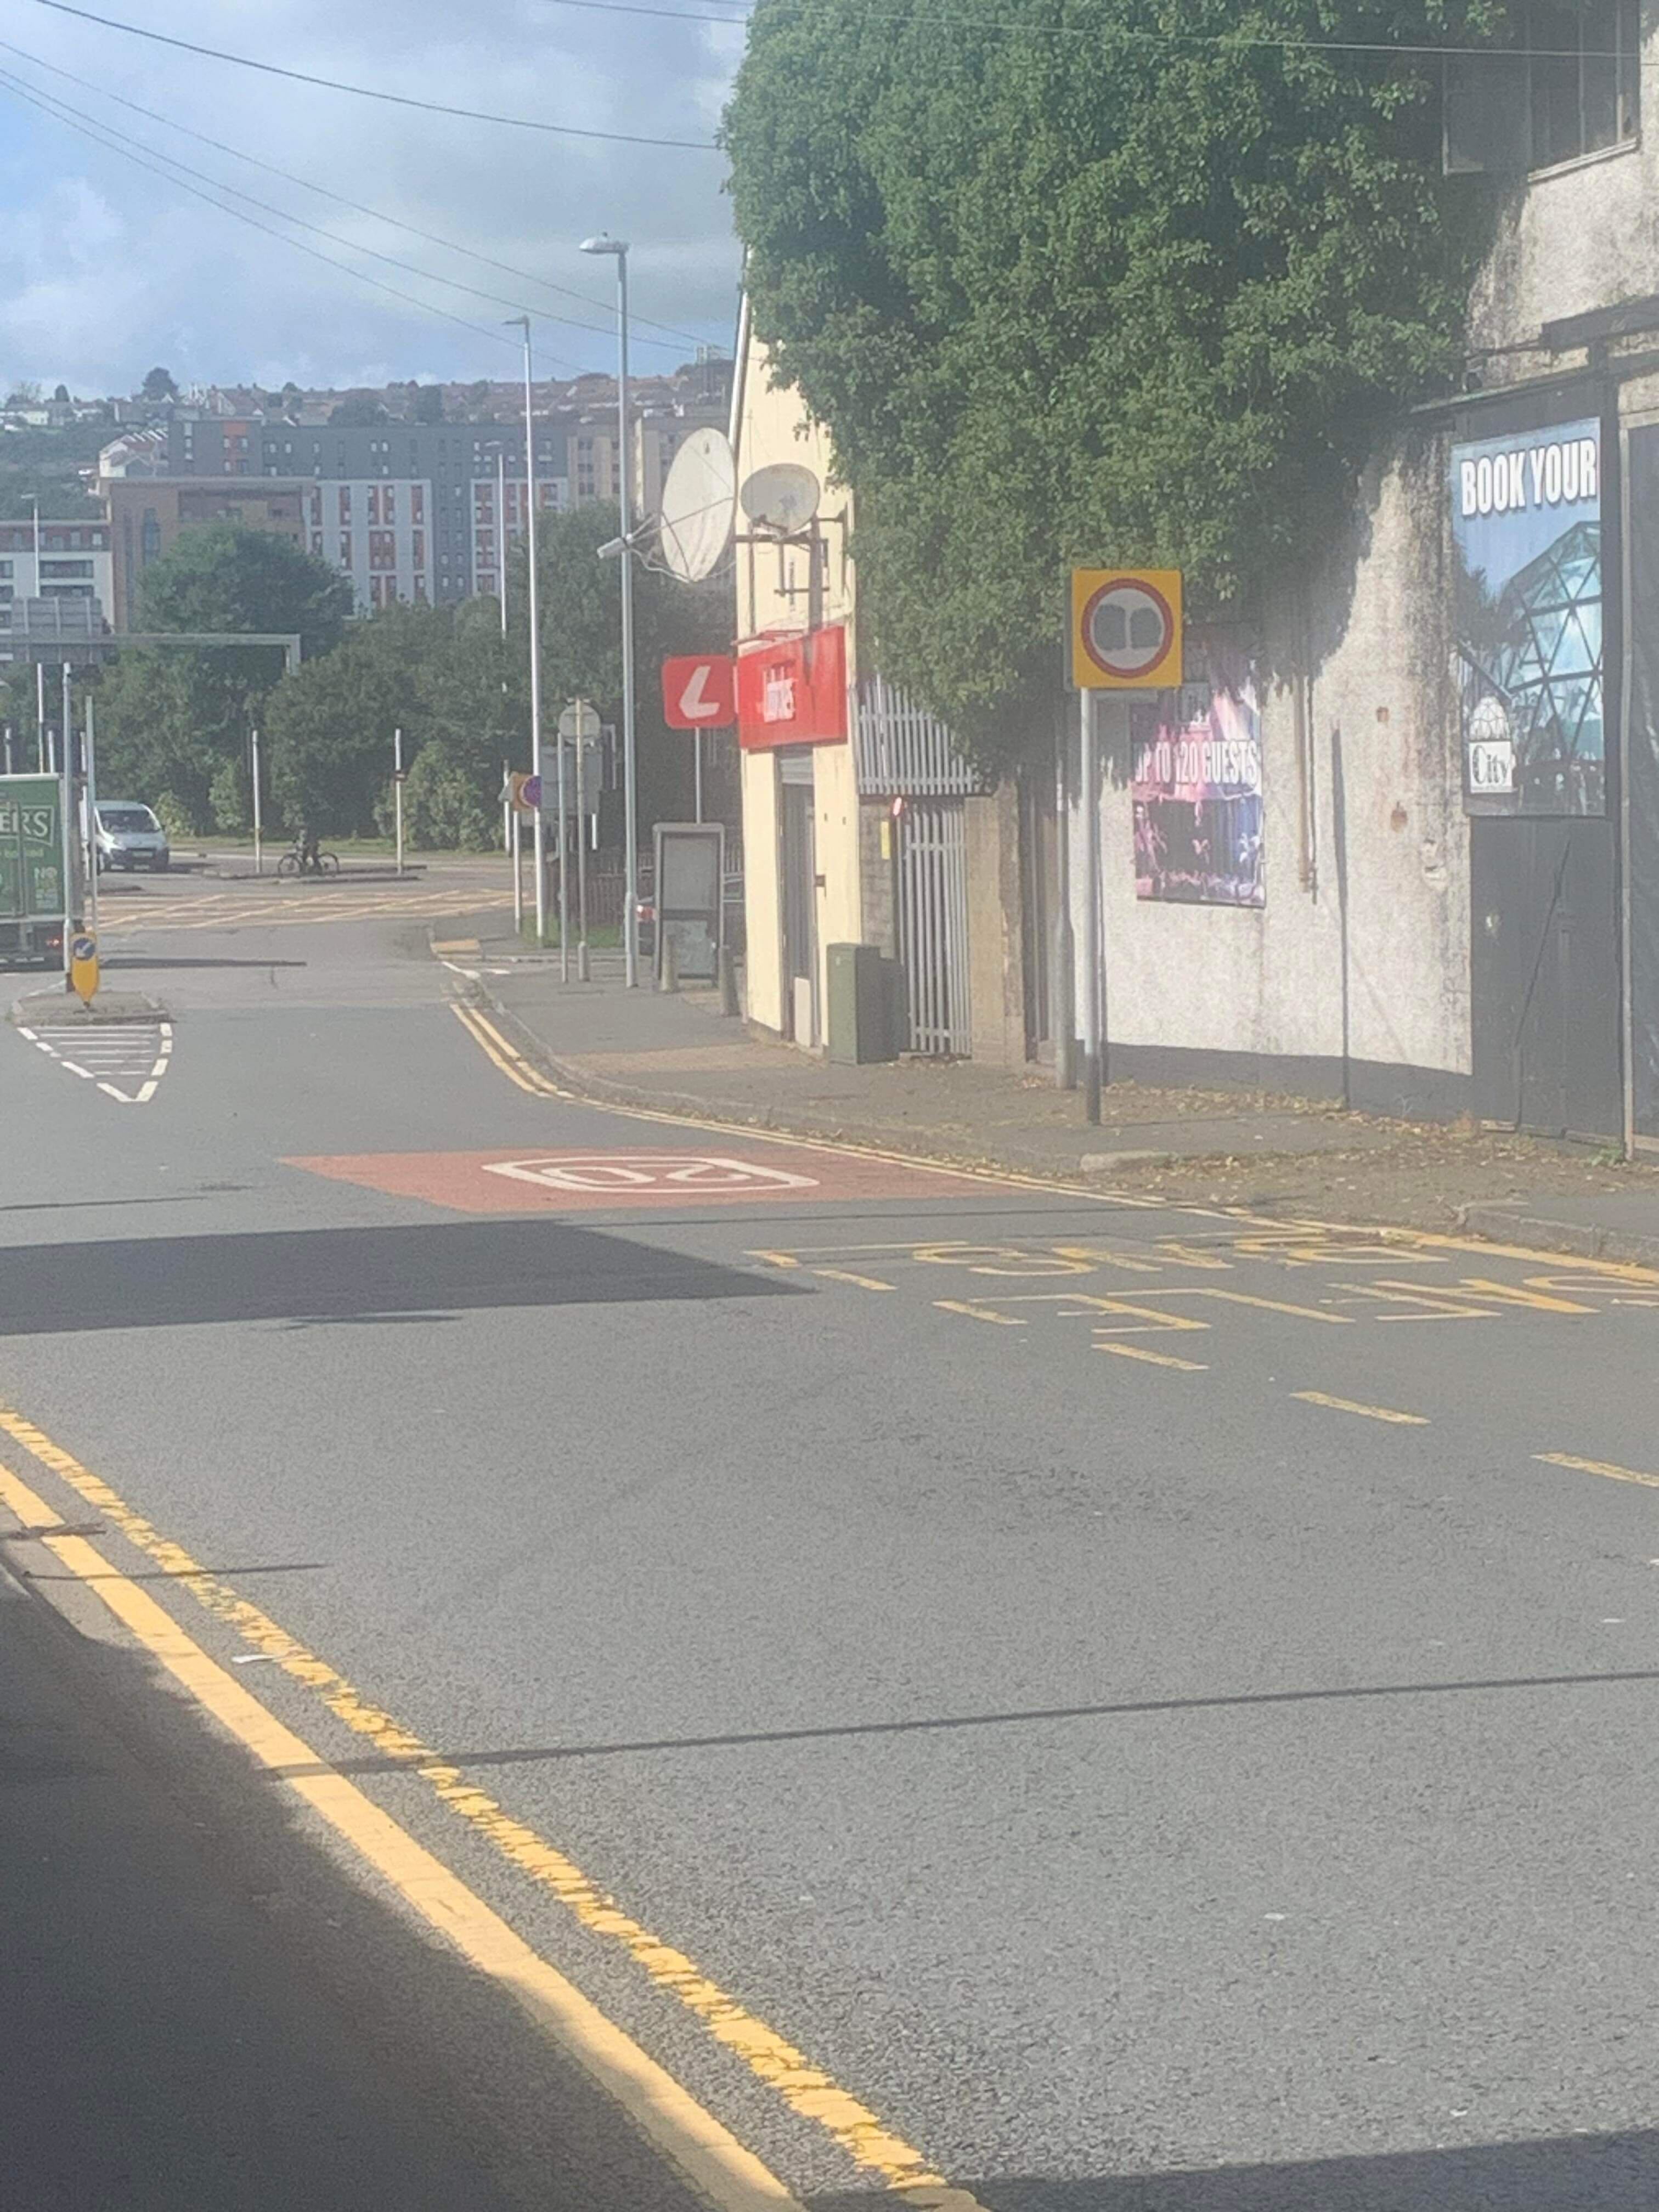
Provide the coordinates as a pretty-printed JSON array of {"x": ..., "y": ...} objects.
[
  {"x": 523, "y": 322},
  {"x": 617, "y": 247}
]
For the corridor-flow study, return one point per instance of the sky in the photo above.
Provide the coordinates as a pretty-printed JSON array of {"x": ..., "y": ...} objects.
[{"x": 107, "y": 268}]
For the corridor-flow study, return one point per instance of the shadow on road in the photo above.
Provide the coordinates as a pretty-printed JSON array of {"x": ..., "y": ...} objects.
[
  {"x": 346, "y": 1274},
  {"x": 1552, "y": 2173},
  {"x": 1031, "y": 1716}
]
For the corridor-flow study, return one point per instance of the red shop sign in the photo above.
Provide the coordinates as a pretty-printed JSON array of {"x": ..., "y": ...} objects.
[{"x": 792, "y": 691}]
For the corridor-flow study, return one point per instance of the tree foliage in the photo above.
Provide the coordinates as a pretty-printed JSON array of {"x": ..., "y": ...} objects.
[
  {"x": 1095, "y": 281},
  {"x": 224, "y": 578},
  {"x": 158, "y": 385}
]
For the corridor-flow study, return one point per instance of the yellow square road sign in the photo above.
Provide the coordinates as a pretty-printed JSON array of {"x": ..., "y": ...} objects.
[{"x": 1126, "y": 628}]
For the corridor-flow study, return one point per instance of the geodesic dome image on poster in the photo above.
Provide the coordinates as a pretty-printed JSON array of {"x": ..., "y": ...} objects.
[{"x": 1527, "y": 531}]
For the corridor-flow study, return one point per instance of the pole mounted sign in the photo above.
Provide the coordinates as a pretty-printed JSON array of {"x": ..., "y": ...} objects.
[
  {"x": 699, "y": 692},
  {"x": 1126, "y": 628},
  {"x": 83, "y": 965}
]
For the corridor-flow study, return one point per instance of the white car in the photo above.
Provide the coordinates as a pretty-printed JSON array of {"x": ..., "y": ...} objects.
[{"x": 130, "y": 836}]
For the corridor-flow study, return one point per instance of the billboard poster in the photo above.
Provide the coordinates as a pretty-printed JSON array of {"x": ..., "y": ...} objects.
[
  {"x": 1197, "y": 777},
  {"x": 1527, "y": 529}
]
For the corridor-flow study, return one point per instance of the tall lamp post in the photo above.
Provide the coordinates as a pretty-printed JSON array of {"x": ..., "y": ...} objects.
[
  {"x": 617, "y": 247},
  {"x": 522, "y": 322}
]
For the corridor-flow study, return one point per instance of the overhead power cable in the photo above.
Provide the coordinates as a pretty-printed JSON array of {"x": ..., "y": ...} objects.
[
  {"x": 970, "y": 19},
  {"x": 21, "y": 91},
  {"x": 355, "y": 207},
  {"x": 373, "y": 92}
]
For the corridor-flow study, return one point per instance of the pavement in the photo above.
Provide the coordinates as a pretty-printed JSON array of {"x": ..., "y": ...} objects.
[
  {"x": 1285, "y": 1156},
  {"x": 820, "y": 1669}
]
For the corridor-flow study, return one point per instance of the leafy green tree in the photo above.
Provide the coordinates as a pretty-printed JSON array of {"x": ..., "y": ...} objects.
[
  {"x": 168, "y": 722},
  {"x": 328, "y": 724},
  {"x": 1130, "y": 282},
  {"x": 359, "y": 412},
  {"x": 224, "y": 578},
  {"x": 158, "y": 384},
  {"x": 444, "y": 809},
  {"x": 62, "y": 496},
  {"x": 428, "y": 404}
]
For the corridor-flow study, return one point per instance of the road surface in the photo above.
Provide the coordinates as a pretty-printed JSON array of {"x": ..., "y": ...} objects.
[{"x": 868, "y": 1677}]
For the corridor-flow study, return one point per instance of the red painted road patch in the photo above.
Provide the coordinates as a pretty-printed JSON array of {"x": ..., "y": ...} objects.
[{"x": 576, "y": 1182}]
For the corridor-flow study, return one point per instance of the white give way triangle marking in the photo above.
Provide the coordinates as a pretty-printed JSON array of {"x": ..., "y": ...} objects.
[
  {"x": 695, "y": 704},
  {"x": 125, "y": 1060}
]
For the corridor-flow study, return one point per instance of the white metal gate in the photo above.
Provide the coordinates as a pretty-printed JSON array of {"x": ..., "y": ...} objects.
[{"x": 933, "y": 924}]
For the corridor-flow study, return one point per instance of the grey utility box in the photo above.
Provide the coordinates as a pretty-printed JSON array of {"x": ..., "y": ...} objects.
[{"x": 859, "y": 1027}]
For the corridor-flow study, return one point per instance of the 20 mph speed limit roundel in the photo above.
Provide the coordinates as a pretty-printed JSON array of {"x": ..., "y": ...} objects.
[{"x": 1126, "y": 628}]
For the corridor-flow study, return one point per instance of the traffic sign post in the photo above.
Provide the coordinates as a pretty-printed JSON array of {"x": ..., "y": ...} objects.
[
  {"x": 580, "y": 723},
  {"x": 83, "y": 965},
  {"x": 1126, "y": 628},
  {"x": 1125, "y": 636},
  {"x": 398, "y": 791},
  {"x": 699, "y": 693}
]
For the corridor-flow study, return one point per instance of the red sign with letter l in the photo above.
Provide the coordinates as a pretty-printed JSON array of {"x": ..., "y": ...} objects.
[{"x": 699, "y": 692}]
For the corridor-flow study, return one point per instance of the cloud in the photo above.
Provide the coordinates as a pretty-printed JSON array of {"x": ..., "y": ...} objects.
[{"x": 105, "y": 268}]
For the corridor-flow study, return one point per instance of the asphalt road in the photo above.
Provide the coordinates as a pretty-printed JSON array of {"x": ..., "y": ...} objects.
[{"x": 1086, "y": 1705}]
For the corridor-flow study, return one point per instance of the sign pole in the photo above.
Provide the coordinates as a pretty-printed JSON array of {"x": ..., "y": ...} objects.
[
  {"x": 582, "y": 970},
  {"x": 40, "y": 716},
  {"x": 564, "y": 865},
  {"x": 66, "y": 785},
  {"x": 92, "y": 818},
  {"x": 518, "y": 874},
  {"x": 1091, "y": 797},
  {"x": 697, "y": 770},
  {"x": 398, "y": 792},
  {"x": 258, "y": 818}
]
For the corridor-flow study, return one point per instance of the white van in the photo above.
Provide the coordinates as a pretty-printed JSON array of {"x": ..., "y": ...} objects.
[{"x": 130, "y": 836}]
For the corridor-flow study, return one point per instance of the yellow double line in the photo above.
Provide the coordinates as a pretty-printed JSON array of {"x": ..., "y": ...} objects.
[{"x": 727, "y": 2175}]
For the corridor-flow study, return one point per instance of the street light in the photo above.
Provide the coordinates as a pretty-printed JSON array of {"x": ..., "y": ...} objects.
[
  {"x": 522, "y": 322},
  {"x": 618, "y": 248}
]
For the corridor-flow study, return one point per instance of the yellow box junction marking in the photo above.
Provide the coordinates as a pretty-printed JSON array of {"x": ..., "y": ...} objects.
[
  {"x": 730, "y": 2175},
  {"x": 1353, "y": 1406},
  {"x": 1599, "y": 1467},
  {"x": 1155, "y": 1358}
]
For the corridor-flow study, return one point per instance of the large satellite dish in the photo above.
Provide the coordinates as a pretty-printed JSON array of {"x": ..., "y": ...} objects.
[
  {"x": 784, "y": 496},
  {"x": 698, "y": 505}
]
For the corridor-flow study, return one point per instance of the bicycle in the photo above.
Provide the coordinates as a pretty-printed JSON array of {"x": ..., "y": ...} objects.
[{"x": 295, "y": 863}]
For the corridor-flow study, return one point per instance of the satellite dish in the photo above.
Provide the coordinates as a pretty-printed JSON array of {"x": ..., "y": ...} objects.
[
  {"x": 698, "y": 504},
  {"x": 784, "y": 496}
]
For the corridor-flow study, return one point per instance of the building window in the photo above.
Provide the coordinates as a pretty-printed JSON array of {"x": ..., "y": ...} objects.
[
  {"x": 420, "y": 591},
  {"x": 1585, "y": 69},
  {"x": 149, "y": 538},
  {"x": 66, "y": 568},
  {"x": 5, "y": 569},
  {"x": 374, "y": 504},
  {"x": 382, "y": 549},
  {"x": 345, "y": 549},
  {"x": 417, "y": 547},
  {"x": 417, "y": 502},
  {"x": 389, "y": 503},
  {"x": 345, "y": 502},
  {"x": 317, "y": 543}
]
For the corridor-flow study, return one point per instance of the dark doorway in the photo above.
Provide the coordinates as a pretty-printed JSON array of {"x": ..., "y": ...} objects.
[
  {"x": 799, "y": 853},
  {"x": 1544, "y": 975}
]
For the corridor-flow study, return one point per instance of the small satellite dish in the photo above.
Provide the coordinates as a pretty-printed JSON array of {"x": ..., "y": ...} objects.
[
  {"x": 698, "y": 505},
  {"x": 784, "y": 496}
]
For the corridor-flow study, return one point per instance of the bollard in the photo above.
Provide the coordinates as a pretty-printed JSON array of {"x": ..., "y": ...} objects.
[
  {"x": 728, "y": 974},
  {"x": 668, "y": 966},
  {"x": 583, "y": 973}
]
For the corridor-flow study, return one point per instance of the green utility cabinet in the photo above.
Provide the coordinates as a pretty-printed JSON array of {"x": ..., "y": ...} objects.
[{"x": 861, "y": 1025}]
